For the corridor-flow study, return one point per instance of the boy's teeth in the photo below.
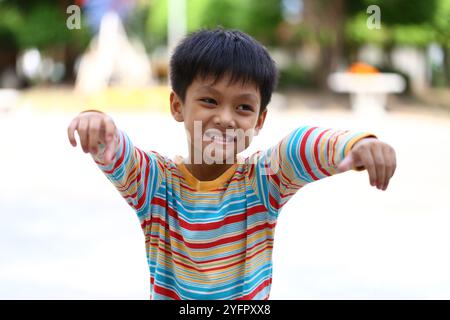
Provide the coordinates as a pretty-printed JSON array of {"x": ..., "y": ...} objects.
[{"x": 228, "y": 139}]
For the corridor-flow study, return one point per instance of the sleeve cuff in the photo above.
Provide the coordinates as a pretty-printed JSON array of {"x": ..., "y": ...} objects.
[
  {"x": 118, "y": 137},
  {"x": 353, "y": 141}
]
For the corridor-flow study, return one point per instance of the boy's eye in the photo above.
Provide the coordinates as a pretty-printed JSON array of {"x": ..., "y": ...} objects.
[
  {"x": 245, "y": 107},
  {"x": 208, "y": 100}
]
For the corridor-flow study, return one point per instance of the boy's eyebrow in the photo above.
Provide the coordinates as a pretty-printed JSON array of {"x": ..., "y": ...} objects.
[{"x": 211, "y": 89}]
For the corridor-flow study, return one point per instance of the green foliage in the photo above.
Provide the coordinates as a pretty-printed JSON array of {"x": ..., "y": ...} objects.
[
  {"x": 40, "y": 26},
  {"x": 357, "y": 32},
  {"x": 413, "y": 35},
  {"x": 397, "y": 27},
  {"x": 294, "y": 76},
  {"x": 258, "y": 18},
  {"x": 441, "y": 22},
  {"x": 394, "y": 12},
  {"x": 10, "y": 20},
  {"x": 157, "y": 23},
  {"x": 261, "y": 18},
  {"x": 210, "y": 14},
  {"x": 44, "y": 26}
]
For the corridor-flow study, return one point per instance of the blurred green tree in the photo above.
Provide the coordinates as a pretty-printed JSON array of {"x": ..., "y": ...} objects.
[
  {"x": 404, "y": 22},
  {"x": 41, "y": 24},
  {"x": 397, "y": 11},
  {"x": 258, "y": 18},
  {"x": 441, "y": 27},
  {"x": 413, "y": 23}
]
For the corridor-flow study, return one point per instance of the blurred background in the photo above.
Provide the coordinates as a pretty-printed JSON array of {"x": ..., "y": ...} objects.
[{"x": 373, "y": 65}]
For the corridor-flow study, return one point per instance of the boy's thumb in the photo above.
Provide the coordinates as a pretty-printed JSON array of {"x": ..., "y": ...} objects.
[{"x": 346, "y": 164}]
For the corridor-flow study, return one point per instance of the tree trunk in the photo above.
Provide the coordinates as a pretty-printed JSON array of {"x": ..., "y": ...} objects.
[
  {"x": 326, "y": 18},
  {"x": 447, "y": 65}
]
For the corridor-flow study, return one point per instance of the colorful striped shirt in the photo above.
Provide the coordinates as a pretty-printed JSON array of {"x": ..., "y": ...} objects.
[{"x": 214, "y": 239}]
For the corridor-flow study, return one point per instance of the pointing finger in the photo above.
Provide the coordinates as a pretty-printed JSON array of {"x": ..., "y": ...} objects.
[
  {"x": 368, "y": 163},
  {"x": 380, "y": 167},
  {"x": 94, "y": 131},
  {"x": 84, "y": 134},
  {"x": 390, "y": 166},
  {"x": 71, "y": 132}
]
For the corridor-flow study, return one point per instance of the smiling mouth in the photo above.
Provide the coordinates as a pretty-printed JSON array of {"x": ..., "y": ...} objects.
[
  {"x": 225, "y": 139},
  {"x": 222, "y": 140}
]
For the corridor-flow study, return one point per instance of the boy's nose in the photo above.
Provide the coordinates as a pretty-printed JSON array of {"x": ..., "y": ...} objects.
[{"x": 225, "y": 119}]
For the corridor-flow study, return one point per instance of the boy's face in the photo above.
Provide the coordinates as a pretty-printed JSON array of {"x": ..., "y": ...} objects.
[{"x": 220, "y": 118}]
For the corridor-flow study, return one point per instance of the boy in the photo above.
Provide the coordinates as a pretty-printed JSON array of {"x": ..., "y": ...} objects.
[{"x": 209, "y": 219}]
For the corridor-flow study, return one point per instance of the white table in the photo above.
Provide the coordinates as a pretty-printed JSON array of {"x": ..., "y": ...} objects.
[{"x": 368, "y": 92}]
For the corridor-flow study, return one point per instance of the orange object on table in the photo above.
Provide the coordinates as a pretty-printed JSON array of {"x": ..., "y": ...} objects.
[{"x": 360, "y": 67}]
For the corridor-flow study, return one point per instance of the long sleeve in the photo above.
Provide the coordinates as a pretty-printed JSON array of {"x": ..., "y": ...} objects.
[
  {"x": 305, "y": 155},
  {"x": 135, "y": 174}
]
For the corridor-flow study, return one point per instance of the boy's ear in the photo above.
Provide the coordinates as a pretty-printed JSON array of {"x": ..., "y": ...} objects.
[
  {"x": 176, "y": 107},
  {"x": 260, "y": 122}
]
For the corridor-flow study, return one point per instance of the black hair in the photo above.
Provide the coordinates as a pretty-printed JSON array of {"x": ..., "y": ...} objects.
[{"x": 221, "y": 52}]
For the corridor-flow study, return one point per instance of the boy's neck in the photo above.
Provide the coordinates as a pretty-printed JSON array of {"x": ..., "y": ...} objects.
[{"x": 208, "y": 172}]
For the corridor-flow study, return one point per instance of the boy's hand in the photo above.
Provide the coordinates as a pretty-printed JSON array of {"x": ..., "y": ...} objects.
[
  {"x": 94, "y": 127},
  {"x": 377, "y": 157}
]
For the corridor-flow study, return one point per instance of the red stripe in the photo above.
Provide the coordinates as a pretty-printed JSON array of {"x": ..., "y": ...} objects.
[
  {"x": 252, "y": 168},
  {"x": 187, "y": 187},
  {"x": 134, "y": 175},
  {"x": 275, "y": 178},
  {"x": 178, "y": 176},
  {"x": 251, "y": 295},
  {"x": 138, "y": 176},
  {"x": 166, "y": 292},
  {"x": 213, "y": 244},
  {"x": 126, "y": 185},
  {"x": 316, "y": 153},
  {"x": 131, "y": 196},
  {"x": 158, "y": 201},
  {"x": 223, "y": 267},
  {"x": 273, "y": 202},
  {"x": 333, "y": 150},
  {"x": 268, "y": 244},
  {"x": 223, "y": 241},
  {"x": 159, "y": 240},
  {"x": 256, "y": 209},
  {"x": 212, "y": 225},
  {"x": 208, "y": 225},
  {"x": 143, "y": 198},
  {"x": 286, "y": 195},
  {"x": 303, "y": 153},
  {"x": 290, "y": 183}
]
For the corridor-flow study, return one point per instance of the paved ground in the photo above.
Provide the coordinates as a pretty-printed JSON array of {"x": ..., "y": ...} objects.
[{"x": 67, "y": 234}]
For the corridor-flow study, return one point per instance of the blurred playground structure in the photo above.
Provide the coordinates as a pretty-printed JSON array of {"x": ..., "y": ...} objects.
[{"x": 114, "y": 58}]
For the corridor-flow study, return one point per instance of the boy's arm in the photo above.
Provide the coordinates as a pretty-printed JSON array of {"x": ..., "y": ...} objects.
[
  {"x": 134, "y": 173},
  {"x": 305, "y": 155}
]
